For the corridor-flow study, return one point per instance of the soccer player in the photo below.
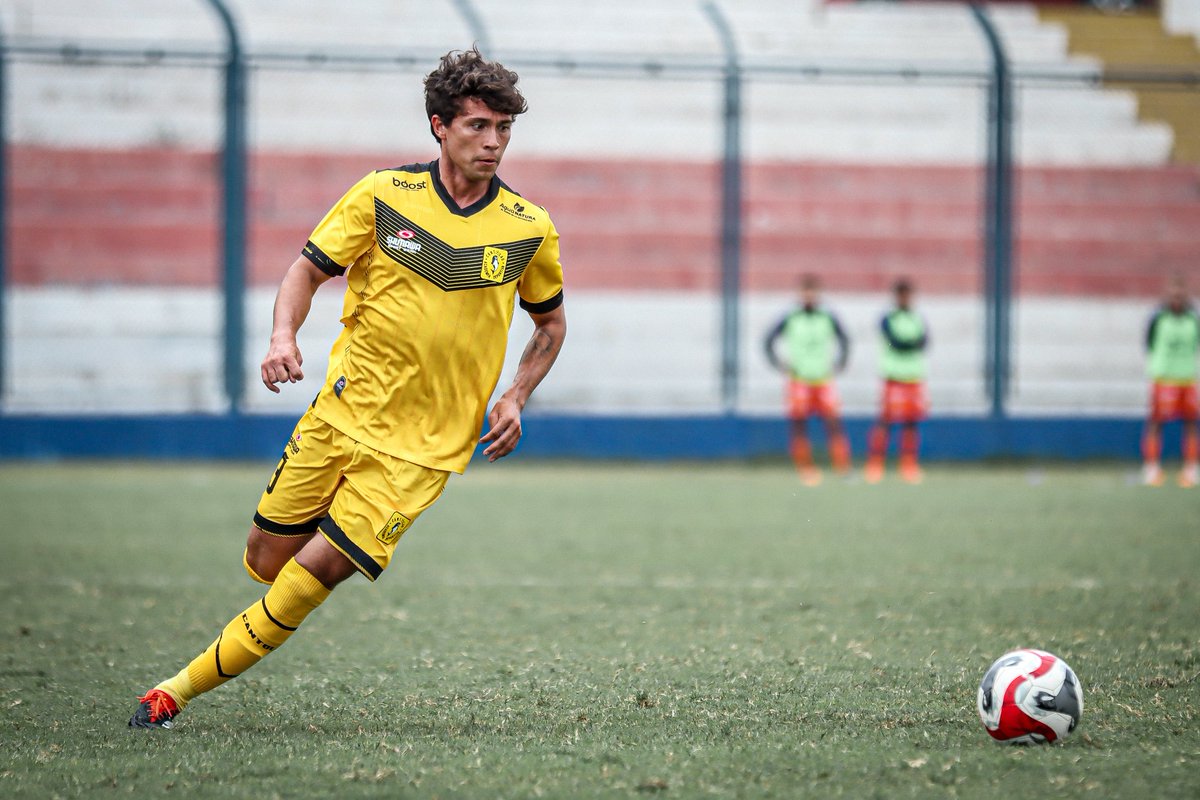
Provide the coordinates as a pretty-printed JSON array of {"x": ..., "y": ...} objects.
[
  {"x": 1173, "y": 340},
  {"x": 902, "y": 363},
  {"x": 816, "y": 347},
  {"x": 433, "y": 255}
]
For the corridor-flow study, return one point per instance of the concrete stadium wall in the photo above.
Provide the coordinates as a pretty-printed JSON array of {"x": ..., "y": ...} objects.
[
  {"x": 114, "y": 350},
  {"x": 858, "y": 181}
]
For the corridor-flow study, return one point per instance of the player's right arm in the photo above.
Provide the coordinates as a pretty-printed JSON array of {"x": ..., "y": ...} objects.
[
  {"x": 283, "y": 361},
  {"x": 769, "y": 346},
  {"x": 1151, "y": 329}
]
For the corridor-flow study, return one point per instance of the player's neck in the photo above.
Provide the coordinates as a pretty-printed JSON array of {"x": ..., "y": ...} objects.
[{"x": 462, "y": 190}]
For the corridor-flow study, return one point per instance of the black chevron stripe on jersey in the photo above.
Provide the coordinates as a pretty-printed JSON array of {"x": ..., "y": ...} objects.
[{"x": 449, "y": 268}]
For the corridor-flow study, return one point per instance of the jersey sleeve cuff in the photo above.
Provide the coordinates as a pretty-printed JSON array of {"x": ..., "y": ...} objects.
[
  {"x": 544, "y": 307},
  {"x": 322, "y": 261}
]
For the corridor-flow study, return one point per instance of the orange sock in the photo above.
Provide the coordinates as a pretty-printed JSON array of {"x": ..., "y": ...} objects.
[
  {"x": 1151, "y": 447},
  {"x": 878, "y": 443},
  {"x": 802, "y": 453},
  {"x": 839, "y": 452},
  {"x": 1191, "y": 445},
  {"x": 910, "y": 442}
]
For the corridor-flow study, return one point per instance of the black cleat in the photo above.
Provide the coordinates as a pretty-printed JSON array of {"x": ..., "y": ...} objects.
[{"x": 156, "y": 710}]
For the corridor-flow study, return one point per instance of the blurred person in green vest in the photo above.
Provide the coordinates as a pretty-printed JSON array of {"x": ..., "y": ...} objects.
[
  {"x": 1172, "y": 341},
  {"x": 815, "y": 349},
  {"x": 902, "y": 364}
]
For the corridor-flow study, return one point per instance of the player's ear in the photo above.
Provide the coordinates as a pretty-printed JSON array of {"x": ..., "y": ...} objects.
[{"x": 438, "y": 127}]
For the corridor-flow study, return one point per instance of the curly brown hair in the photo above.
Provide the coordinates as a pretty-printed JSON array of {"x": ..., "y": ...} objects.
[{"x": 466, "y": 73}]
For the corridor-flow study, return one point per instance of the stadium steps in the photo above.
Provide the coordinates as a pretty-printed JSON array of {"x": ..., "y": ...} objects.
[
  {"x": 150, "y": 217},
  {"x": 799, "y": 119},
  {"x": 1138, "y": 40}
]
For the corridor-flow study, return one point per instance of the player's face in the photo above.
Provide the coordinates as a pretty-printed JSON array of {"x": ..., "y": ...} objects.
[
  {"x": 475, "y": 140},
  {"x": 1177, "y": 299},
  {"x": 810, "y": 297}
]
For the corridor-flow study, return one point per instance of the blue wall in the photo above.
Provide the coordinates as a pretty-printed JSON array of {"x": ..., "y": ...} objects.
[{"x": 575, "y": 436}]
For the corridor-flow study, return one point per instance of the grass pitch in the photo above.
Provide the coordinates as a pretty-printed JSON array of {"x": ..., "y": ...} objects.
[{"x": 610, "y": 631}]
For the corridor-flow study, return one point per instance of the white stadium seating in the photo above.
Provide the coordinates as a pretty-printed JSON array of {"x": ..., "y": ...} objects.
[{"x": 105, "y": 348}]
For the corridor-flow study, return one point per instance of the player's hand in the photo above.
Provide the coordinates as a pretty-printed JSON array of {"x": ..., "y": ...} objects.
[
  {"x": 282, "y": 365},
  {"x": 504, "y": 423}
]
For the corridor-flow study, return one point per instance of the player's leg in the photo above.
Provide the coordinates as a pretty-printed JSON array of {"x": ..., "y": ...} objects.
[
  {"x": 1152, "y": 453},
  {"x": 302, "y": 584},
  {"x": 801, "y": 449},
  {"x": 877, "y": 440},
  {"x": 911, "y": 408},
  {"x": 1189, "y": 476},
  {"x": 266, "y": 553},
  {"x": 839, "y": 444},
  {"x": 835, "y": 433},
  {"x": 877, "y": 447},
  {"x": 910, "y": 443},
  {"x": 296, "y": 498},
  {"x": 376, "y": 503},
  {"x": 1152, "y": 474},
  {"x": 799, "y": 445}
]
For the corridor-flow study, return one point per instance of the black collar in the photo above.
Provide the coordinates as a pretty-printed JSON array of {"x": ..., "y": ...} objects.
[{"x": 492, "y": 191}]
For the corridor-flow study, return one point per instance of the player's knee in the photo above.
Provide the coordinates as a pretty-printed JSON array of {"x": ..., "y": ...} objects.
[{"x": 258, "y": 570}]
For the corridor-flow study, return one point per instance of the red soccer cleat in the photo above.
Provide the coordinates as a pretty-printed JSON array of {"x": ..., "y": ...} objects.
[{"x": 156, "y": 710}]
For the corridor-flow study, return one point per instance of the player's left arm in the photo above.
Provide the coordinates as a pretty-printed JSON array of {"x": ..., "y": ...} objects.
[
  {"x": 504, "y": 421},
  {"x": 843, "y": 343}
]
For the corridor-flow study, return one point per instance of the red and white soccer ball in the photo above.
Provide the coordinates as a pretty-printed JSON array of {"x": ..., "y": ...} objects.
[{"x": 1029, "y": 696}]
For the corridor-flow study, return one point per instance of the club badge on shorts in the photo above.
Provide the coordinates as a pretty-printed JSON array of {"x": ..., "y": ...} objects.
[{"x": 392, "y": 531}]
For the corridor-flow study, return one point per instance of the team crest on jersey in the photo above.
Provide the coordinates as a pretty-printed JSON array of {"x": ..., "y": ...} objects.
[
  {"x": 494, "y": 260},
  {"x": 395, "y": 526}
]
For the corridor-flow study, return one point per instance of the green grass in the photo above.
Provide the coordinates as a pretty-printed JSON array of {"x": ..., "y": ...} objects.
[{"x": 612, "y": 631}]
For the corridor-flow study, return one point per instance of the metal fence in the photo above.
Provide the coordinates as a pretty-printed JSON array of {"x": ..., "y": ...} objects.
[{"x": 224, "y": 191}]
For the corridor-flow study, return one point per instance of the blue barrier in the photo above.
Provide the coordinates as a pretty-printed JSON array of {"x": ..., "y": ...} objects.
[{"x": 240, "y": 436}]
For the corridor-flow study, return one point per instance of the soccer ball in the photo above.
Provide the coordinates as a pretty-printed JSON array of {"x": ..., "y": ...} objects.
[{"x": 1029, "y": 696}]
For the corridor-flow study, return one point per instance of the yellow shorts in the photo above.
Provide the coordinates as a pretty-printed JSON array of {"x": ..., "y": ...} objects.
[{"x": 361, "y": 500}]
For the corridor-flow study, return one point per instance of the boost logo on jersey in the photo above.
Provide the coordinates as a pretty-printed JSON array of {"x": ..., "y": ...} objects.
[
  {"x": 401, "y": 183},
  {"x": 494, "y": 260}
]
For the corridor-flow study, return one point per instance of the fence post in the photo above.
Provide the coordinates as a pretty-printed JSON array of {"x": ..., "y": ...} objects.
[
  {"x": 233, "y": 210},
  {"x": 3, "y": 217},
  {"x": 998, "y": 220},
  {"x": 467, "y": 11},
  {"x": 731, "y": 208}
]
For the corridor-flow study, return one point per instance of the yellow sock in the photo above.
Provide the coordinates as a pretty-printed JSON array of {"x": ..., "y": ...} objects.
[{"x": 248, "y": 637}]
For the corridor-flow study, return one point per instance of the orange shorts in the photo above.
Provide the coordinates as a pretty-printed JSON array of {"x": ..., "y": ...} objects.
[
  {"x": 1173, "y": 401},
  {"x": 807, "y": 399},
  {"x": 904, "y": 402}
]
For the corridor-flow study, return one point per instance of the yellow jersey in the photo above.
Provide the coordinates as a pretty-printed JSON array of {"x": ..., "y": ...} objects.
[{"x": 430, "y": 289}]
